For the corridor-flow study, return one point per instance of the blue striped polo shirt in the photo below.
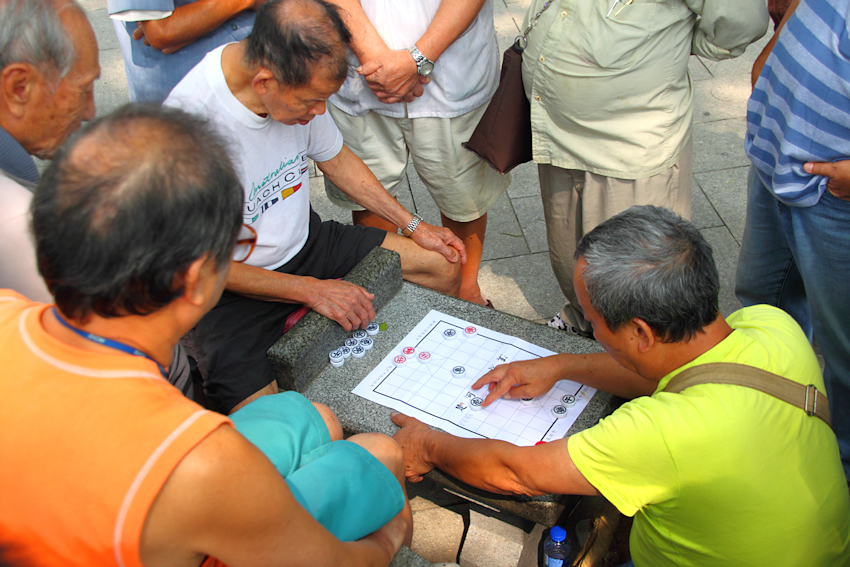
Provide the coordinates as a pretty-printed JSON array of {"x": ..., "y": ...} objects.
[{"x": 800, "y": 108}]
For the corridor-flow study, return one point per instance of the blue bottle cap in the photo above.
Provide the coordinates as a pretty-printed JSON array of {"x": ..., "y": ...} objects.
[{"x": 557, "y": 533}]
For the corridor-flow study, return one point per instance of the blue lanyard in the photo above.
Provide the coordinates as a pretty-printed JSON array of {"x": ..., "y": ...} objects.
[{"x": 110, "y": 343}]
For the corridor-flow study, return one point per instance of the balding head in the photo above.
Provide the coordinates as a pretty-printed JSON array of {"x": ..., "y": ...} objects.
[
  {"x": 48, "y": 64},
  {"x": 293, "y": 38},
  {"x": 124, "y": 210}
]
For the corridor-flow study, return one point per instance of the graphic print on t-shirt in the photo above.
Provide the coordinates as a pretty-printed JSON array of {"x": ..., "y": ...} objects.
[{"x": 275, "y": 187}]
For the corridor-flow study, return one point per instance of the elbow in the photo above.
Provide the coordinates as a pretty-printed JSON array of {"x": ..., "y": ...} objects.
[
  {"x": 511, "y": 481},
  {"x": 156, "y": 34}
]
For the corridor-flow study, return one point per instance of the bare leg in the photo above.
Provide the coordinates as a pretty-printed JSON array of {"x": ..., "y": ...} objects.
[
  {"x": 365, "y": 218},
  {"x": 390, "y": 455},
  {"x": 424, "y": 267},
  {"x": 472, "y": 234},
  {"x": 264, "y": 391},
  {"x": 331, "y": 421}
]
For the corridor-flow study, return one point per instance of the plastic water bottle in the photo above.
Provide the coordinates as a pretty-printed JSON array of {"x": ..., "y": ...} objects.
[{"x": 557, "y": 549}]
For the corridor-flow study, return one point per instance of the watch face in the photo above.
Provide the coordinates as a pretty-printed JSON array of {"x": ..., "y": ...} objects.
[{"x": 425, "y": 68}]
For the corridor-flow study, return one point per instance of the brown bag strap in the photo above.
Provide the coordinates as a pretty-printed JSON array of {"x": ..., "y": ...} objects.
[{"x": 808, "y": 398}]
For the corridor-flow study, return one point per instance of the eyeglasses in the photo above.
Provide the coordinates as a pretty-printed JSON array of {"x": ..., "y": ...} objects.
[{"x": 245, "y": 243}]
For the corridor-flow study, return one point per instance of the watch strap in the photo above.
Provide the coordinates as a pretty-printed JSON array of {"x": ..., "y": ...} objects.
[{"x": 411, "y": 226}]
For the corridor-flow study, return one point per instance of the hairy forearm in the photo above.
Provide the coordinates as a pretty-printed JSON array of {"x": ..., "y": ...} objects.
[
  {"x": 192, "y": 21},
  {"x": 350, "y": 174},
  {"x": 453, "y": 17},
  {"x": 366, "y": 43},
  {"x": 601, "y": 371},
  {"x": 265, "y": 285},
  {"x": 758, "y": 65},
  {"x": 483, "y": 463}
]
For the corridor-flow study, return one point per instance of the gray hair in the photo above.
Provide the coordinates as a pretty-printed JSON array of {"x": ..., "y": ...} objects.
[
  {"x": 651, "y": 264},
  {"x": 31, "y": 32}
]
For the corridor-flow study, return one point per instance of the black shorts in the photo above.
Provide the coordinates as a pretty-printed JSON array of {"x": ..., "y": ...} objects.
[{"x": 232, "y": 339}]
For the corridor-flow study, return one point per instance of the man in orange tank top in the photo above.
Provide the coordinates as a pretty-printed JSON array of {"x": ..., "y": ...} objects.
[{"x": 104, "y": 462}]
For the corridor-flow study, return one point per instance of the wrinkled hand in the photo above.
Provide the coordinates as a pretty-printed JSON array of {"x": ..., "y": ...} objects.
[
  {"x": 347, "y": 304},
  {"x": 517, "y": 380},
  {"x": 412, "y": 438},
  {"x": 393, "y": 76},
  {"x": 838, "y": 173},
  {"x": 440, "y": 239}
]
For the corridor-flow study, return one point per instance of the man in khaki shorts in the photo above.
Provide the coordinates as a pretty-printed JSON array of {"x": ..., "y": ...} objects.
[
  {"x": 426, "y": 71},
  {"x": 611, "y": 110}
]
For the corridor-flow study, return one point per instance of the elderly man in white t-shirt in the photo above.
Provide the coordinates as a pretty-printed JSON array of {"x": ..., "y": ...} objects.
[
  {"x": 425, "y": 72},
  {"x": 267, "y": 95}
]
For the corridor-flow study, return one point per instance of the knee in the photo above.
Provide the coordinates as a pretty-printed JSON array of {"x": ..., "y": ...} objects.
[
  {"x": 383, "y": 448},
  {"x": 448, "y": 277},
  {"x": 331, "y": 421}
]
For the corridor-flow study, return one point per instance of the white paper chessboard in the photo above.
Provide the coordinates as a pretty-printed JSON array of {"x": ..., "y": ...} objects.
[{"x": 435, "y": 394}]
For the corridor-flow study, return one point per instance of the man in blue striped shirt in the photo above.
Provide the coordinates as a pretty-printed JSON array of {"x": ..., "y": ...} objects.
[{"x": 795, "y": 253}]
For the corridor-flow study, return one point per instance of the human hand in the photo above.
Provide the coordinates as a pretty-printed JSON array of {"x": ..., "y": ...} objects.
[
  {"x": 393, "y": 76},
  {"x": 517, "y": 380},
  {"x": 838, "y": 173},
  {"x": 412, "y": 439},
  {"x": 347, "y": 304},
  {"x": 440, "y": 239}
]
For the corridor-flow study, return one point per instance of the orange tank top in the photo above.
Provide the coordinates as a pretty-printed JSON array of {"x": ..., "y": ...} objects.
[{"x": 87, "y": 441}]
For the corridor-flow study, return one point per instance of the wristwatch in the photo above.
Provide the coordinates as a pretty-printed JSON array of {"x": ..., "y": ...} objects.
[
  {"x": 424, "y": 66},
  {"x": 411, "y": 226}
]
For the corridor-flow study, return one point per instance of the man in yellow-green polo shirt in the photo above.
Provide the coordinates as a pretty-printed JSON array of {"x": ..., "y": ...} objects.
[{"x": 714, "y": 475}]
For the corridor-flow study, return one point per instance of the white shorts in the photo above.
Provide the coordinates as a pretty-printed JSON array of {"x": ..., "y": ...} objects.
[{"x": 463, "y": 186}]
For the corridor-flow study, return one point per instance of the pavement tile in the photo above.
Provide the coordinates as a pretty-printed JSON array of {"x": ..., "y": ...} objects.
[
  {"x": 718, "y": 99},
  {"x": 698, "y": 70},
  {"x": 110, "y": 90},
  {"x": 523, "y": 286},
  {"x": 719, "y": 145},
  {"x": 725, "y": 251},
  {"x": 529, "y": 212},
  {"x": 437, "y": 534},
  {"x": 504, "y": 237},
  {"x": 524, "y": 181},
  {"x": 703, "y": 214},
  {"x": 726, "y": 189},
  {"x": 103, "y": 28}
]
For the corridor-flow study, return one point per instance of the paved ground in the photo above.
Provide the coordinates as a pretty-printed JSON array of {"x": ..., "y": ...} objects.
[{"x": 515, "y": 273}]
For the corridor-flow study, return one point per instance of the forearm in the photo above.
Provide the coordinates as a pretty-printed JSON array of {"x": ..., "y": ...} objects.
[
  {"x": 350, "y": 174},
  {"x": 483, "y": 463},
  {"x": 366, "y": 43},
  {"x": 601, "y": 371},
  {"x": 453, "y": 17},
  {"x": 266, "y": 285},
  {"x": 758, "y": 65},
  {"x": 192, "y": 21},
  {"x": 504, "y": 468}
]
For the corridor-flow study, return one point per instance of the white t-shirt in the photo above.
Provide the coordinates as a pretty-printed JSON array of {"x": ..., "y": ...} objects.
[
  {"x": 465, "y": 76},
  {"x": 18, "y": 270},
  {"x": 271, "y": 159}
]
